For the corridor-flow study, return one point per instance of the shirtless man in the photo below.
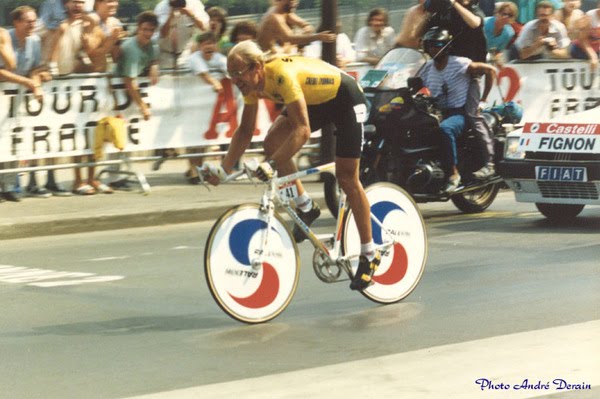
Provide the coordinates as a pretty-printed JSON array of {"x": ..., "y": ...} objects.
[
  {"x": 276, "y": 34},
  {"x": 412, "y": 26}
]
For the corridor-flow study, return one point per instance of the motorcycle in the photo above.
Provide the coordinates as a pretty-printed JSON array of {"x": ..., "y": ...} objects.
[{"x": 403, "y": 142}]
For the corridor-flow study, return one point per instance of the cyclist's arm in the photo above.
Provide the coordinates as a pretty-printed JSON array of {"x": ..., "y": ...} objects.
[
  {"x": 299, "y": 131},
  {"x": 241, "y": 138}
]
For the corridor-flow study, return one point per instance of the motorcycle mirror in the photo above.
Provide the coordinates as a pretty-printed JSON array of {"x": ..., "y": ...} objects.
[{"x": 415, "y": 84}]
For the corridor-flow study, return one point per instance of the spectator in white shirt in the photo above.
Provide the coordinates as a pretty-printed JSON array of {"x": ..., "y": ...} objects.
[
  {"x": 374, "y": 40},
  {"x": 178, "y": 20},
  {"x": 344, "y": 52},
  {"x": 543, "y": 37},
  {"x": 207, "y": 63}
]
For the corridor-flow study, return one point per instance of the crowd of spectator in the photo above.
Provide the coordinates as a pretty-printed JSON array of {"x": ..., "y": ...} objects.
[{"x": 80, "y": 36}]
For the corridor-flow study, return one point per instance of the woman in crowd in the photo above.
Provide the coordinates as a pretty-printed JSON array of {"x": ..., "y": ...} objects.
[{"x": 498, "y": 30}]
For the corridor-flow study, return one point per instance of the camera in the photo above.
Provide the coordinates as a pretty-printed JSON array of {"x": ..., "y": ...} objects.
[{"x": 177, "y": 3}]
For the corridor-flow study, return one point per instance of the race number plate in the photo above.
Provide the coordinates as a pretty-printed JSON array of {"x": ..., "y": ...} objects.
[
  {"x": 561, "y": 173},
  {"x": 288, "y": 190}
]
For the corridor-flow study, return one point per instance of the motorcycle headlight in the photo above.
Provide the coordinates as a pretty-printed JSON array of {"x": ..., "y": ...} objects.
[{"x": 511, "y": 149}]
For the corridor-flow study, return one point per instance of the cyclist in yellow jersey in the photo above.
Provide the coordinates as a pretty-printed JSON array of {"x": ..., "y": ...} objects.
[{"x": 314, "y": 93}]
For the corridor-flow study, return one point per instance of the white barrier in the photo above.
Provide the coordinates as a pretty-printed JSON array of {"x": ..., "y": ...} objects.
[
  {"x": 547, "y": 89},
  {"x": 187, "y": 113}
]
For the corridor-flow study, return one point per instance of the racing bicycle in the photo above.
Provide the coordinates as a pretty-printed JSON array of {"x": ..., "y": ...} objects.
[{"x": 252, "y": 263}]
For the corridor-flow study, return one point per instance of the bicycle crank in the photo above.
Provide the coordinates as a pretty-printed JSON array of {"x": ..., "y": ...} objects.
[{"x": 325, "y": 271}]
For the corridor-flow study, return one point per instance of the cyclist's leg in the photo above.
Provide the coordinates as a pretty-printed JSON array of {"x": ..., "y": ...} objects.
[
  {"x": 306, "y": 208},
  {"x": 348, "y": 151},
  {"x": 346, "y": 171},
  {"x": 277, "y": 135}
]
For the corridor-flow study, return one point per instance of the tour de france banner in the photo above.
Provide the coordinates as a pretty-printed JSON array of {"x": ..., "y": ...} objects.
[
  {"x": 548, "y": 90},
  {"x": 186, "y": 112}
]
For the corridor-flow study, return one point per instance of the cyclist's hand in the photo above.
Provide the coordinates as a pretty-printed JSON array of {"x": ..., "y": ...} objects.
[
  {"x": 215, "y": 174},
  {"x": 265, "y": 170}
]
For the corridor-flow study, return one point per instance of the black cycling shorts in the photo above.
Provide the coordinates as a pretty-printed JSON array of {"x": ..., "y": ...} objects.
[{"x": 347, "y": 111}]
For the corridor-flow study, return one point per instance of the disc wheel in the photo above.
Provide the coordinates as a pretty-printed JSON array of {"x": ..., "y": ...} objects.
[
  {"x": 402, "y": 265},
  {"x": 245, "y": 289}
]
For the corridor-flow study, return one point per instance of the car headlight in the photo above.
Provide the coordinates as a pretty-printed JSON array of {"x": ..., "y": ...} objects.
[{"x": 511, "y": 149}]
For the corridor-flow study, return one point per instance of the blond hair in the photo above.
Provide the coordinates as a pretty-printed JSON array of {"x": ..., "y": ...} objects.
[
  {"x": 250, "y": 53},
  {"x": 512, "y": 7}
]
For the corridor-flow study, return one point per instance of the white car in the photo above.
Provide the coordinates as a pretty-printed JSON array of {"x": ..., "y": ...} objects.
[{"x": 555, "y": 164}]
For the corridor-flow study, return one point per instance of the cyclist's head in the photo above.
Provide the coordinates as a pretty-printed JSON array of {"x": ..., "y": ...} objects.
[{"x": 245, "y": 65}]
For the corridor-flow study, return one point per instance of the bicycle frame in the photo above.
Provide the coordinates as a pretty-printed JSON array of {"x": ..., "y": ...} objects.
[{"x": 272, "y": 196}]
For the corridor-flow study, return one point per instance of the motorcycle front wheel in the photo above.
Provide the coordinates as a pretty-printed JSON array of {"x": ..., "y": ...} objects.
[{"x": 476, "y": 201}]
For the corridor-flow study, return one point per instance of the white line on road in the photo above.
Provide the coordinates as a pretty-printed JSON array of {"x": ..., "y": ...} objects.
[
  {"x": 107, "y": 258},
  {"x": 568, "y": 353},
  {"x": 49, "y": 278}
]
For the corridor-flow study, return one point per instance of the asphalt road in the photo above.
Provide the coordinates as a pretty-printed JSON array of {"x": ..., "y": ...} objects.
[{"x": 126, "y": 313}]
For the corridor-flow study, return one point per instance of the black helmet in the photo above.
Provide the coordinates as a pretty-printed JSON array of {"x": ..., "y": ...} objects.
[{"x": 436, "y": 37}]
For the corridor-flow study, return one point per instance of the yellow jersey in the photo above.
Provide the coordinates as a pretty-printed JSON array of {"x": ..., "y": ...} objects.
[{"x": 289, "y": 78}]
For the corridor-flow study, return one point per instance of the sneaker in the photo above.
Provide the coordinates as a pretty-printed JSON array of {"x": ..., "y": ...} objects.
[
  {"x": 58, "y": 190},
  {"x": 10, "y": 196},
  {"x": 485, "y": 172},
  {"x": 452, "y": 184},
  {"x": 38, "y": 192},
  {"x": 307, "y": 218},
  {"x": 365, "y": 271}
]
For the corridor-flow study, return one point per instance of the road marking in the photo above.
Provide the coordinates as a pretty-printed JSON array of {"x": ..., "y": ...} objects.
[
  {"x": 568, "y": 353},
  {"x": 49, "y": 278},
  {"x": 107, "y": 258}
]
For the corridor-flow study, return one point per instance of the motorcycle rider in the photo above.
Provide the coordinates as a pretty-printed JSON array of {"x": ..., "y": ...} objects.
[
  {"x": 464, "y": 21},
  {"x": 448, "y": 78}
]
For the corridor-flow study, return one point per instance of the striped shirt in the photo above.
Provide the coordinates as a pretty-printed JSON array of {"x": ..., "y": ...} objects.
[{"x": 450, "y": 85}]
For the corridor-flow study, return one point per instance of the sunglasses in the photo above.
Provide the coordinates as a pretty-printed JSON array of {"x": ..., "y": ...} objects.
[
  {"x": 237, "y": 74},
  {"x": 506, "y": 15}
]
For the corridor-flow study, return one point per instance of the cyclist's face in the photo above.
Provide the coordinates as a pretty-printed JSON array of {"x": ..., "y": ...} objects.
[{"x": 245, "y": 76}]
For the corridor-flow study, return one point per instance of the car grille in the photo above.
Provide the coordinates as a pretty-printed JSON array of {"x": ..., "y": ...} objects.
[
  {"x": 573, "y": 190},
  {"x": 561, "y": 156}
]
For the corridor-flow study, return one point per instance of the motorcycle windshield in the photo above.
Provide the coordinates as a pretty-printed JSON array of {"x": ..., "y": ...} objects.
[{"x": 400, "y": 64}]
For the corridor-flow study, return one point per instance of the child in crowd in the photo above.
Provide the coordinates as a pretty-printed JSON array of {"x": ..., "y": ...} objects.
[
  {"x": 207, "y": 58},
  {"x": 209, "y": 65}
]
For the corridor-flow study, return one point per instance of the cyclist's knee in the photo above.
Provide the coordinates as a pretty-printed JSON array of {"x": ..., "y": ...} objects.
[{"x": 347, "y": 181}]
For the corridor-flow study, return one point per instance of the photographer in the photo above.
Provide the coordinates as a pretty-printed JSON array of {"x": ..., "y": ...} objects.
[
  {"x": 543, "y": 37},
  {"x": 178, "y": 20},
  {"x": 464, "y": 21}
]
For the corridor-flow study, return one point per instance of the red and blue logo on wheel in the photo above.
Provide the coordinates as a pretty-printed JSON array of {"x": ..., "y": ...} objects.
[{"x": 246, "y": 290}]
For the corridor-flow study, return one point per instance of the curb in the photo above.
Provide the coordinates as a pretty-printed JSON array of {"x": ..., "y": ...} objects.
[{"x": 89, "y": 224}]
